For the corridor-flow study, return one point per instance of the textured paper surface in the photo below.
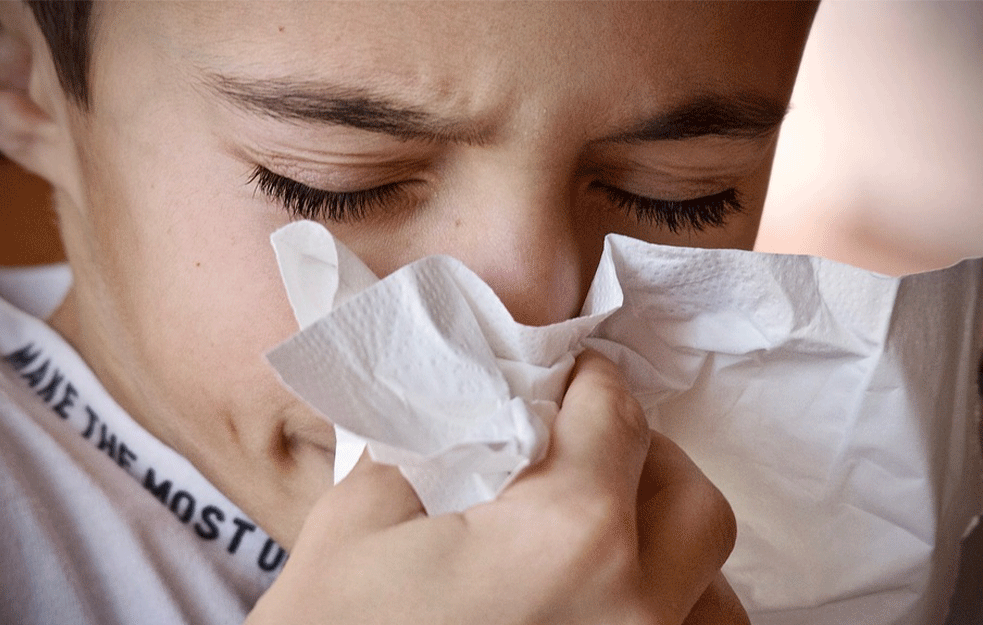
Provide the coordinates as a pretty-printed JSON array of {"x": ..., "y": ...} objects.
[{"x": 832, "y": 406}]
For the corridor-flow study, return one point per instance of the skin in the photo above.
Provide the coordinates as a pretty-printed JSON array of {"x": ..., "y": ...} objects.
[
  {"x": 177, "y": 296},
  {"x": 585, "y": 556}
]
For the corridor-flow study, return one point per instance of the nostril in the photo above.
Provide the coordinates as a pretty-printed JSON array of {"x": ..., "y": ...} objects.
[{"x": 542, "y": 309}]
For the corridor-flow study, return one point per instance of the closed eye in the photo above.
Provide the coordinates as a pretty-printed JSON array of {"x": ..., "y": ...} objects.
[
  {"x": 697, "y": 214},
  {"x": 306, "y": 202}
]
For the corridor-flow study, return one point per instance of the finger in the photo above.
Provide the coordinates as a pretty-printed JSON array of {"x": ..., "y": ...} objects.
[
  {"x": 372, "y": 497},
  {"x": 719, "y": 605},
  {"x": 686, "y": 528},
  {"x": 600, "y": 437}
]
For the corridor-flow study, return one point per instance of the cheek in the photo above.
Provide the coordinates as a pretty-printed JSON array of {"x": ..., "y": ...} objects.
[{"x": 190, "y": 276}]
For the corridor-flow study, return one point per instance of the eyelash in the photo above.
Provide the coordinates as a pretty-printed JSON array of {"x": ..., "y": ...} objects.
[
  {"x": 697, "y": 214},
  {"x": 305, "y": 202},
  {"x": 316, "y": 204}
]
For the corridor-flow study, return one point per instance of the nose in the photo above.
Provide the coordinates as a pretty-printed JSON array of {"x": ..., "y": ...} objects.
[{"x": 521, "y": 234}]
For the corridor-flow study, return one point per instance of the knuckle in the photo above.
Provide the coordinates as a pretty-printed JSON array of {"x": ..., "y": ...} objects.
[
  {"x": 722, "y": 524},
  {"x": 634, "y": 416},
  {"x": 614, "y": 398}
]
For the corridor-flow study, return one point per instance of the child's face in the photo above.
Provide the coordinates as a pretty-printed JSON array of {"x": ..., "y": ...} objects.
[{"x": 513, "y": 137}]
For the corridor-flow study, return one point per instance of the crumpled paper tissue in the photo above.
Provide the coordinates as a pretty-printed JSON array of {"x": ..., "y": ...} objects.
[{"x": 833, "y": 407}]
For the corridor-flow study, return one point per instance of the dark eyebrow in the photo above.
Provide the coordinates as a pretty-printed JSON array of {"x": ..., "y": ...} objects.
[
  {"x": 743, "y": 116},
  {"x": 290, "y": 100}
]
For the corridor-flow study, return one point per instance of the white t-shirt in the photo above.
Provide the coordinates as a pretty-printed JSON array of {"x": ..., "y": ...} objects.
[{"x": 100, "y": 522}]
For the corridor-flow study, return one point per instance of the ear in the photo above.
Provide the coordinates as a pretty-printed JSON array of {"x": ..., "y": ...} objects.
[{"x": 33, "y": 109}]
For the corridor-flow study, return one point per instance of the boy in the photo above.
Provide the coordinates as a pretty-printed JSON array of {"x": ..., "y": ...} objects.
[{"x": 178, "y": 136}]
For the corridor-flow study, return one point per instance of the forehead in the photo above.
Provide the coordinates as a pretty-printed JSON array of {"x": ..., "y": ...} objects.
[{"x": 477, "y": 55}]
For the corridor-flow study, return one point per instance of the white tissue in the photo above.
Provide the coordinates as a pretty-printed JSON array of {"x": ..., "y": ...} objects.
[
  {"x": 426, "y": 367},
  {"x": 832, "y": 406}
]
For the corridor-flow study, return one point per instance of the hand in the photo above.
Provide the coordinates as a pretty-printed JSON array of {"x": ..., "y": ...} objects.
[{"x": 575, "y": 540}]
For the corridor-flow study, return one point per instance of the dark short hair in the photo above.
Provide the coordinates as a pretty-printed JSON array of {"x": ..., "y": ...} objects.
[{"x": 66, "y": 28}]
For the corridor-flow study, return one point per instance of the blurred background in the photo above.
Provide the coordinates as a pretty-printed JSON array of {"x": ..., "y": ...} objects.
[
  {"x": 880, "y": 162},
  {"x": 28, "y": 235}
]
